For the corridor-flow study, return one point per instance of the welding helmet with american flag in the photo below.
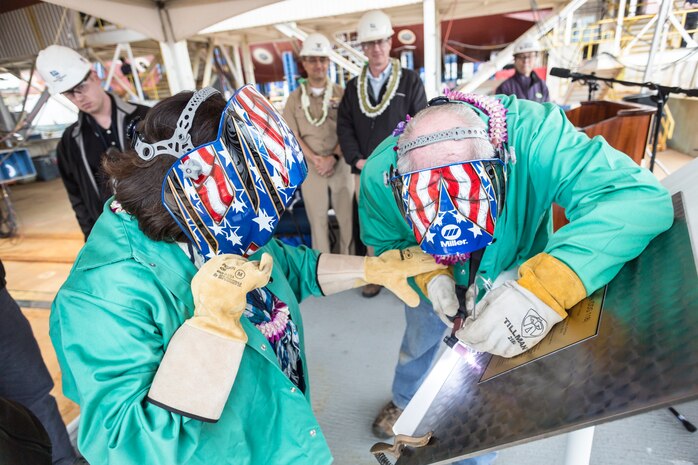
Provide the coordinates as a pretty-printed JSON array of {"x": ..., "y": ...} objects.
[
  {"x": 228, "y": 195},
  {"x": 452, "y": 209}
]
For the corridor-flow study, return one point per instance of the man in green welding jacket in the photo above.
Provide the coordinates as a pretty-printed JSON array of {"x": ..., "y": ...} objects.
[{"x": 471, "y": 179}]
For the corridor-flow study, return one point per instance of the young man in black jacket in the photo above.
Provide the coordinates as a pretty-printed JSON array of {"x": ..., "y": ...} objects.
[
  {"x": 375, "y": 101},
  {"x": 102, "y": 124}
]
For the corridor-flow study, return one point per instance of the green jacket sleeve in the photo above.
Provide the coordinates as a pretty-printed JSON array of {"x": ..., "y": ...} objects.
[
  {"x": 299, "y": 265},
  {"x": 614, "y": 206},
  {"x": 382, "y": 225},
  {"x": 109, "y": 351}
]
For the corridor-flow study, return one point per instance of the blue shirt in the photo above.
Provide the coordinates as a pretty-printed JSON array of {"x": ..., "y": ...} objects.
[{"x": 377, "y": 82}]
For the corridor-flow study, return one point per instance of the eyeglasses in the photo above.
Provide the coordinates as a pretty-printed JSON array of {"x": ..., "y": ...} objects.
[
  {"x": 80, "y": 88},
  {"x": 314, "y": 60},
  {"x": 376, "y": 43},
  {"x": 525, "y": 57}
]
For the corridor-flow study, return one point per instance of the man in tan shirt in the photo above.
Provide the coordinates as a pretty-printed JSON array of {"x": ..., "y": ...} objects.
[{"x": 311, "y": 112}]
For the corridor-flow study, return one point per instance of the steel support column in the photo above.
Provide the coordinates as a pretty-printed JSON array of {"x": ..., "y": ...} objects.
[
  {"x": 237, "y": 63},
  {"x": 110, "y": 74},
  {"x": 175, "y": 58},
  {"x": 432, "y": 49},
  {"x": 619, "y": 27},
  {"x": 208, "y": 64},
  {"x": 237, "y": 78},
  {"x": 662, "y": 15},
  {"x": 247, "y": 65},
  {"x": 134, "y": 72}
]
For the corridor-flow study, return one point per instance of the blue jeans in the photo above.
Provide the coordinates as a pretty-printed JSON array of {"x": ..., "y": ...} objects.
[
  {"x": 421, "y": 342},
  {"x": 25, "y": 379}
]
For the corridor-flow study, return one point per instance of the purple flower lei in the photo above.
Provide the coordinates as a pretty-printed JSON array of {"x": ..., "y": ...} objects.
[
  {"x": 275, "y": 328},
  {"x": 401, "y": 127},
  {"x": 490, "y": 106},
  {"x": 450, "y": 260}
]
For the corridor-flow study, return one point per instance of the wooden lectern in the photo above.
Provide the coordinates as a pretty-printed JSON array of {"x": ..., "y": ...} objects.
[{"x": 625, "y": 126}]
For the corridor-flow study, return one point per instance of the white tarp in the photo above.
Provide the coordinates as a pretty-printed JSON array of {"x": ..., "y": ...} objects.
[{"x": 174, "y": 21}]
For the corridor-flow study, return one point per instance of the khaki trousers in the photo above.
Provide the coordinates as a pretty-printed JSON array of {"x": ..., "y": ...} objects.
[
  {"x": 316, "y": 199},
  {"x": 370, "y": 251}
]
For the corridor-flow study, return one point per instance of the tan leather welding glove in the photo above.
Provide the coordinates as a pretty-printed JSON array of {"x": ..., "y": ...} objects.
[
  {"x": 516, "y": 316},
  {"x": 391, "y": 269},
  {"x": 552, "y": 281},
  {"x": 440, "y": 287},
  {"x": 220, "y": 293},
  {"x": 200, "y": 364}
]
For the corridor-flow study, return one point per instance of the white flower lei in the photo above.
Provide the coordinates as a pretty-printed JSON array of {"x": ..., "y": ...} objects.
[
  {"x": 362, "y": 85},
  {"x": 305, "y": 103}
]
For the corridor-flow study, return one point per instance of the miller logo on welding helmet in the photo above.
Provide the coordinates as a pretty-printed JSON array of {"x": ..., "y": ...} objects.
[
  {"x": 452, "y": 209},
  {"x": 227, "y": 195}
]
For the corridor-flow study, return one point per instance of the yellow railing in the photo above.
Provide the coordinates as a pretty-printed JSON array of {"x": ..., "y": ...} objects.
[
  {"x": 666, "y": 129},
  {"x": 604, "y": 32}
]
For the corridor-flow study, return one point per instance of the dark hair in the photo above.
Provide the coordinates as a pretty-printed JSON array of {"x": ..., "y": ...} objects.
[{"x": 138, "y": 183}]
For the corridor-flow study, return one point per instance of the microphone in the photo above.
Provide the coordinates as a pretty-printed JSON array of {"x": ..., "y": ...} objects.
[
  {"x": 565, "y": 73},
  {"x": 560, "y": 72}
]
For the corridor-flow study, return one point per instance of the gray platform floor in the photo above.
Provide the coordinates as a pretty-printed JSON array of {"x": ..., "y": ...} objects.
[{"x": 352, "y": 347}]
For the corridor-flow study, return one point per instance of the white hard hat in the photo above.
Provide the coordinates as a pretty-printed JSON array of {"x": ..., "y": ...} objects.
[
  {"x": 528, "y": 45},
  {"x": 374, "y": 25},
  {"x": 316, "y": 45},
  {"x": 61, "y": 67}
]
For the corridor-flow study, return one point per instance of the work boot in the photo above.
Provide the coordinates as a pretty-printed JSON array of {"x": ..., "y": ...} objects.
[
  {"x": 371, "y": 290},
  {"x": 383, "y": 424}
]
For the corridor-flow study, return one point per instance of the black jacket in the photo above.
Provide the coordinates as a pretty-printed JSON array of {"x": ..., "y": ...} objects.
[
  {"x": 80, "y": 180},
  {"x": 358, "y": 134},
  {"x": 23, "y": 439}
]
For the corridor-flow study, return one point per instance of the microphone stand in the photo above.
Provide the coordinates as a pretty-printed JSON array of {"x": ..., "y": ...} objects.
[
  {"x": 660, "y": 98},
  {"x": 591, "y": 83}
]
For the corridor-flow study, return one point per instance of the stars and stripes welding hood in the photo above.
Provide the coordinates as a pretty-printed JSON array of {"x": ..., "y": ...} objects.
[
  {"x": 452, "y": 209},
  {"x": 228, "y": 195}
]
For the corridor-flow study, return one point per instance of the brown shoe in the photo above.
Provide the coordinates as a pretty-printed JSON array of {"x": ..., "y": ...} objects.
[
  {"x": 383, "y": 424},
  {"x": 371, "y": 290}
]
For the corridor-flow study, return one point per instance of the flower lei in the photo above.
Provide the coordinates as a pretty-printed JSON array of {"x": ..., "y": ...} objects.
[
  {"x": 115, "y": 207},
  {"x": 490, "y": 106},
  {"x": 305, "y": 103},
  {"x": 275, "y": 328},
  {"x": 362, "y": 87}
]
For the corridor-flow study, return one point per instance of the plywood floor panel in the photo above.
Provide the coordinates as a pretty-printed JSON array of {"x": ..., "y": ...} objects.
[
  {"x": 43, "y": 208},
  {"x": 40, "y": 249},
  {"x": 36, "y": 278}
]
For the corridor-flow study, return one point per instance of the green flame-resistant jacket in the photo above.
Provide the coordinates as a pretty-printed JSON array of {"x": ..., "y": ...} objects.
[
  {"x": 614, "y": 206},
  {"x": 111, "y": 323}
]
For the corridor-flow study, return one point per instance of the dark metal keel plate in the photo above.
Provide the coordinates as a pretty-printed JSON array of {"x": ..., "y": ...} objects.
[{"x": 644, "y": 357}]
